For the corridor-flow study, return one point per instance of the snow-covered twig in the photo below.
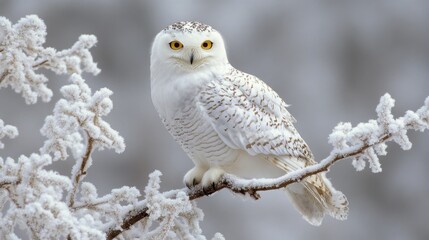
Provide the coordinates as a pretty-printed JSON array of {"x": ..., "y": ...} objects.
[
  {"x": 177, "y": 215},
  {"x": 80, "y": 111},
  {"x": 22, "y": 53},
  {"x": 8, "y": 180},
  {"x": 78, "y": 174},
  {"x": 363, "y": 142}
]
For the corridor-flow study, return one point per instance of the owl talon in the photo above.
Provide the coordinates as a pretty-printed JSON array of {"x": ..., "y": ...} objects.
[
  {"x": 189, "y": 185},
  {"x": 193, "y": 177},
  {"x": 206, "y": 191},
  {"x": 209, "y": 189},
  {"x": 210, "y": 179}
]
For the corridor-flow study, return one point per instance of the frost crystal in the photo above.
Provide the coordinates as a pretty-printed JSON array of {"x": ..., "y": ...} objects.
[
  {"x": 338, "y": 137},
  {"x": 7, "y": 131},
  {"x": 22, "y": 53},
  {"x": 218, "y": 236},
  {"x": 80, "y": 111},
  {"x": 359, "y": 163}
]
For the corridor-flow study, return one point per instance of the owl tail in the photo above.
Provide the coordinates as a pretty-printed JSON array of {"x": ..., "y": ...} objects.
[{"x": 315, "y": 196}]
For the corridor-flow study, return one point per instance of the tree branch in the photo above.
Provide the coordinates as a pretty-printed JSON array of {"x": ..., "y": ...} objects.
[
  {"x": 4, "y": 75},
  {"x": 251, "y": 186},
  {"x": 36, "y": 65},
  {"x": 365, "y": 141},
  {"x": 81, "y": 172},
  {"x": 7, "y": 180}
]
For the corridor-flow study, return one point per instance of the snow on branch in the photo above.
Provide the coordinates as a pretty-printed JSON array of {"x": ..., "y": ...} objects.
[
  {"x": 176, "y": 215},
  {"x": 22, "y": 53},
  {"x": 7, "y": 131},
  {"x": 345, "y": 138},
  {"x": 79, "y": 112},
  {"x": 365, "y": 142},
  {"x": 34, "y": 198}
]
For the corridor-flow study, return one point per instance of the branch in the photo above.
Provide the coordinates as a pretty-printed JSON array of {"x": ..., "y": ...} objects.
[
  {"x": 79, "y": 174},
  {"x": 23, "y": 53},
  {"x": 36, "y": 65},
  {"x": 365, "y": 141},
  {"x": 8, "y": 180},
  {"x": 249, "y": 186},
  {"x": 4, "y": 75}
]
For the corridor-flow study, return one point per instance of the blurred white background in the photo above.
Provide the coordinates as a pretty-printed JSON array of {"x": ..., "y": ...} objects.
[{"x": 331, "y": 60}]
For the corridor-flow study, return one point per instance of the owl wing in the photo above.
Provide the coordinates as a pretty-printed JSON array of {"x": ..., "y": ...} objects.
[{"x": 247, "y": 114}]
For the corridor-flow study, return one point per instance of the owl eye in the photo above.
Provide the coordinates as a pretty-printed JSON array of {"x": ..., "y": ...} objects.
[
  {"x": 176, "y": 45},
  {"x": 206, "y": 45}
]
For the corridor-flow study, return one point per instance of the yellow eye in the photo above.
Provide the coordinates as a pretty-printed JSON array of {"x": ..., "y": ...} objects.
[
  {"x": 176, "y": 45},
  {"x": 206, "y": 45}
]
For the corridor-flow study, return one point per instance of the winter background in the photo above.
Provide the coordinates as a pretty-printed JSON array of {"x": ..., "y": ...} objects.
[{"x": 331, "y": 60}]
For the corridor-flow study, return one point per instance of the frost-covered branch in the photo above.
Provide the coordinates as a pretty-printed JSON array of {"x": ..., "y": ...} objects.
[
  {"x": 366, "y": 141},
  {"x": 79, "y": 173},
  {"x": 36, "y": 195},
  {"x": 178, "y": 217},
  {"x": 7, "y": 180},
  {"x": 80, "y": 111},
  {"x": 22, "y": 54}
]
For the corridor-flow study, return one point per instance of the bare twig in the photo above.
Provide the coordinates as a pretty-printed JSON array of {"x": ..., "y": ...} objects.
[
  {"x": 40, "y": 63},
  {"x": 250, "y": 187},
  {"x": 89, "y": 205},
  {"x": 131, "y": 219},
  {"x": 81, "y": 172}
]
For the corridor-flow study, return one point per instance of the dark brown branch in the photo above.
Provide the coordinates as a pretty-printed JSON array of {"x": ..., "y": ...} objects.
[{"x": 250, "y": 187}]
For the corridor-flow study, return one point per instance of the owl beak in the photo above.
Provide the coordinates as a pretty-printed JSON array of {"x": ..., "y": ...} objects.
[{"x": 191, "y": 60}]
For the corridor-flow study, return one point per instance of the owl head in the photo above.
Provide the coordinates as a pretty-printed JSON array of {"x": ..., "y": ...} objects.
[{"x": 187, "y": 47}]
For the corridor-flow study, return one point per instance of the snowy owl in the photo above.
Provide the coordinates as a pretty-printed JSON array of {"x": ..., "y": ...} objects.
[{"x": 230, "y": 121}]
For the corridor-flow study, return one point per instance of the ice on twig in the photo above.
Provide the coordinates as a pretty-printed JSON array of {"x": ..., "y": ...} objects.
[
  {"x": 79, "y": 112},
  {"x": 371, "y": 136},
  {"x": 22, "y": 54},
  {"x": 178, "y": 217}
]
